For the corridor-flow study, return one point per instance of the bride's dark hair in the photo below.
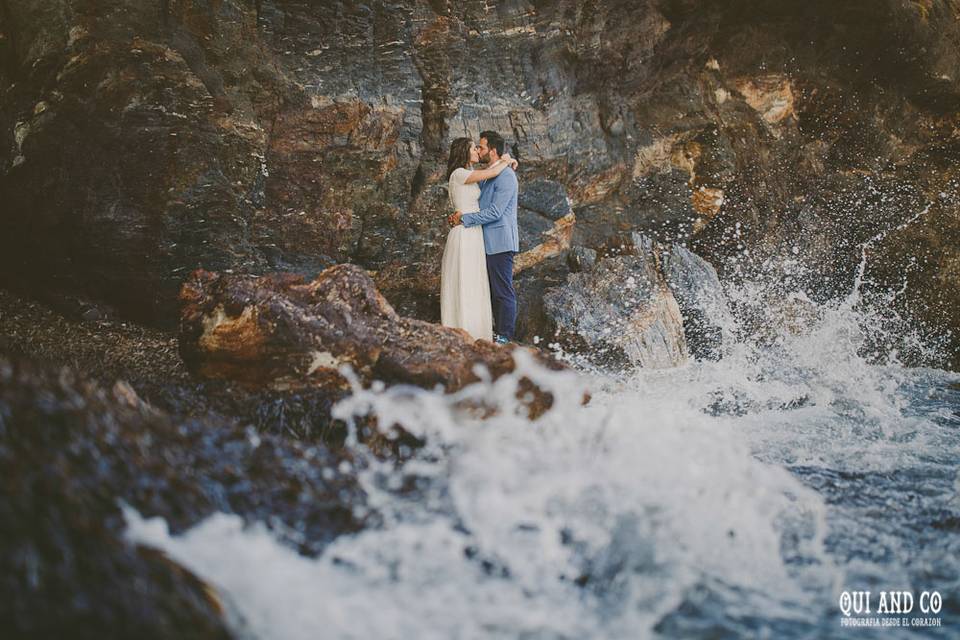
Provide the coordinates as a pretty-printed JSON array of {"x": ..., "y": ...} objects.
[{"x": 459, "y": 155}]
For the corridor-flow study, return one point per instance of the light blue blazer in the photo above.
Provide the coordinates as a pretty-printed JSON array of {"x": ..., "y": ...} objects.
[{"x": 498, "y": 213}]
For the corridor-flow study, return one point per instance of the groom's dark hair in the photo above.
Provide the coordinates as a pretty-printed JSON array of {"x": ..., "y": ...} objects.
[{"x": 494, "y": 141}]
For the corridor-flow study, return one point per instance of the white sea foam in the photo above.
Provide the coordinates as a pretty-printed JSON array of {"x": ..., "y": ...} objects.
[{"x": 671, "y": 490}]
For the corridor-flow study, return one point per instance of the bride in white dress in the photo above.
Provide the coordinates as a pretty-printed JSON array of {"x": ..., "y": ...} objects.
[{"x": 464, "y": 288}]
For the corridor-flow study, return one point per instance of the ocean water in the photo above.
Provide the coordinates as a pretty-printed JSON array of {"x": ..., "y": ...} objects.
[{"x": 731, "y": 498}]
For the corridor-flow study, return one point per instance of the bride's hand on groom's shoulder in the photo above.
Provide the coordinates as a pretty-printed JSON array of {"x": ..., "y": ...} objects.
[{"x": 510, "y": 160}]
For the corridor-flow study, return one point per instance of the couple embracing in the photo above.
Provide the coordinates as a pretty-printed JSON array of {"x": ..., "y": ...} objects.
[{"x": 476, "y": 279}]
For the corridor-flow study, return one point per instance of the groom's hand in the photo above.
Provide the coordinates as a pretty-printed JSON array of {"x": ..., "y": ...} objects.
[{"x": 454, "y": 218}]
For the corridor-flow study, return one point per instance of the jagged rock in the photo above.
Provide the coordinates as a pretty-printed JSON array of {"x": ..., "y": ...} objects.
[
  {"x": 701, "y": 299},
  {"x": 544, "y": 210},
  {"x": 547, "y": 198},
  {"x": 532, "y": 227},
  {"x": 281, "y": 331},
  {"x": 692, "y": 280},
  {"x": 555, "y": 242},
  {"x": 72, "y": 451},
  {"x": 620, "y": 314},
  {"x": 772, "y": 96}
]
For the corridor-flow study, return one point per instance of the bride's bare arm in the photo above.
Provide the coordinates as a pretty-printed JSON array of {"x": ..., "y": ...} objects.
[{"x": 492, "y": 171}]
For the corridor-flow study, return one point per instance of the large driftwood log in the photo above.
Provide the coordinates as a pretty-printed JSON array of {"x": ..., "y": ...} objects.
[{"x": 282, "y": 331}]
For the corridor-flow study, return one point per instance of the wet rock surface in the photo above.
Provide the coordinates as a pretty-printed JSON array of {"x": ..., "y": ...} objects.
[
  {"x": 620, "y": 313},
  {"x": 699, "y": 294},
  {"x": 637, "y": 302},
  {"x": 72, "y": 452}
]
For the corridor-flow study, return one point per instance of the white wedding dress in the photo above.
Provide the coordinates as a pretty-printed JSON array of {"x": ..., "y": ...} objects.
[{"x": 464, "y": 288}]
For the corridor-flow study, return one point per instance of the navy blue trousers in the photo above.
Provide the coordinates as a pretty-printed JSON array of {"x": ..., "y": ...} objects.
[{"x": 502, "y": 295}]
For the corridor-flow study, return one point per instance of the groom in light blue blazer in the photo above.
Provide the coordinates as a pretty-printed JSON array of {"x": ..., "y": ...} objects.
[{"x": 501, "y": 236}]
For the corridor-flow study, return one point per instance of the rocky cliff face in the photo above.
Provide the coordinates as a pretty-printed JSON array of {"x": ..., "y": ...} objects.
[{"x": 139, "y": 141}]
